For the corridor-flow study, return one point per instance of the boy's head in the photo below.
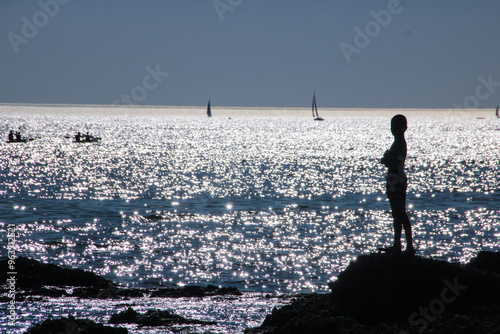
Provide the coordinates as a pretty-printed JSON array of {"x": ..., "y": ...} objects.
[{"x": 398, "y": 125}]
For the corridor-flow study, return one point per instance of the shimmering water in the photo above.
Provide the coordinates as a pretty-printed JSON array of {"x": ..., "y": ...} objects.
[{"x": 261, "y": 203}]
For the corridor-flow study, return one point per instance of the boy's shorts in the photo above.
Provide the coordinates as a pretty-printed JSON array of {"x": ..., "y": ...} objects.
[{"x": 396, "y": 184}]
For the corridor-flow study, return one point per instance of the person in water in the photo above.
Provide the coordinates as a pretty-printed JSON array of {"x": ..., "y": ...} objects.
[
  {"x": 11, "y": 136},
  {"x": 394, "y": 160}
]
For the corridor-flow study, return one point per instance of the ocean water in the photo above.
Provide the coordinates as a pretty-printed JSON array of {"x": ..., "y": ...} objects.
[{"x": 269, "y": 204}]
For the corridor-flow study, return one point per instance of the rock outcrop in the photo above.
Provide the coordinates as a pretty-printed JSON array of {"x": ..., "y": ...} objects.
[
  {"x": 72, "y": 325},
  {"x": 379, "y": 293},
  {"x": 153, "y": 318},
  {"x": 34, "y": 274},
  {"x": 40, "y": 279},
  {"x": 196, "y": 291}
]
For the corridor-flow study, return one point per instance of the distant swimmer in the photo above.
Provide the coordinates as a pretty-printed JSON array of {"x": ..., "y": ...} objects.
[{"x": 396, "y": 184}]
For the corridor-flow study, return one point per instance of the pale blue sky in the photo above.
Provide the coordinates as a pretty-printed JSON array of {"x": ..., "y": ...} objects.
[{"x": 263, "y": 53}]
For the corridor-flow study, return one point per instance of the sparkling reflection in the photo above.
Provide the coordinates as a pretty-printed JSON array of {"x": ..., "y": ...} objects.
[{"x": 264, "y": 204}]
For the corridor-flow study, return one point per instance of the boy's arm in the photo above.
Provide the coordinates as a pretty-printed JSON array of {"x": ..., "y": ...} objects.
[
  {"x": 392, "y": 157},
  {"x": 388, "y": 158}
]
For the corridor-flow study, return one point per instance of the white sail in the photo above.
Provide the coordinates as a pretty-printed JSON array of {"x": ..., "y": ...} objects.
[{"x": 315, "y": 109}]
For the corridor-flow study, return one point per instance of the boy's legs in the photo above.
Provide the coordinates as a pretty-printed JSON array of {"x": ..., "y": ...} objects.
[{"x": 401, "y": 220}]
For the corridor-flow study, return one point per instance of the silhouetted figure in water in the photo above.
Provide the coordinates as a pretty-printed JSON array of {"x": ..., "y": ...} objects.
[
  {"x": 394, "y": 160},
  {"x": 78, "y": 137},
  {"x": 11, "y": 136},
  {"x": 87, "y": 137}
]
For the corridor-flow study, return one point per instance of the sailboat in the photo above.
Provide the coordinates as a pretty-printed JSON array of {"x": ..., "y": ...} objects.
[
  {"x": 315, "y": 109},
  {"x": 209, "y": 110},
  {"x": 497, "y": 113}
]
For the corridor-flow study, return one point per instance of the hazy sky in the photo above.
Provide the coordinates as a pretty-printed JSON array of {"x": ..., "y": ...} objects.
[{"x": 413, "y": 54}]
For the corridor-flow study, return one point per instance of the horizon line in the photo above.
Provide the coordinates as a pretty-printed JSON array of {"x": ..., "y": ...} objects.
[{"x": 62, "y": 105}]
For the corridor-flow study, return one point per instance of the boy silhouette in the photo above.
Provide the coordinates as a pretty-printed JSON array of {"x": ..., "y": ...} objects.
[{"x": 394, "y": 160}]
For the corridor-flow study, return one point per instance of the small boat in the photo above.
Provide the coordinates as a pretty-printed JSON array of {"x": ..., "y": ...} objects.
[
  {"x": 209, "y": 110},
  {"x": 315, "y": 109},
  {"x": 22, "y": 140},
  {"x": 497, "y": 113},
  {"x": 86, "y": 138},
  {"x": 17, "y": 138}
]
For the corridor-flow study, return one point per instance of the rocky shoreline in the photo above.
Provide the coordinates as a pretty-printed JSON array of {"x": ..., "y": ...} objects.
[
  {"x": 48, "y": 280},
  {"x": 376, "y": 293},
  {"x": 40, "y": 279},
  {"x": 380, "y": 293}
]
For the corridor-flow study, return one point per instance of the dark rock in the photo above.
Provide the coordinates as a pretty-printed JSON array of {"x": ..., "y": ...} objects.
[
  {"x": 94, "y": 292},
  {"x": 33, "y": 274},
  {"x": 379, "y": 288},
  {"x": 126, "y": 317},
  {"x": 301, "y": 314},
  {"x": 153, "y": 318},
  {"x": 49, "y": 292},
  {"x": 487, "y": 261},
  {"x": 195, "y": 291},
  {"x": 72, "y": 325},
  {"x": 36, "y": 275},
  {"x": 153, "y": 217},
  {"x": 131, "y": 293},
  {"x": 380, "y": 293},
  {"x": 110, "y": 291},
  {"x": 44, "y": 291}
]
